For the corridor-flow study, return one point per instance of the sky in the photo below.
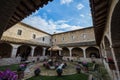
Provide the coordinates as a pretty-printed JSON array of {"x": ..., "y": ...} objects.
[{"x": 61, "y": 16}]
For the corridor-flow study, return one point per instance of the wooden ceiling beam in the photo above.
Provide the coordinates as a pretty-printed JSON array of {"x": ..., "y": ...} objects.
[
  {"x": 101, "y": 12},
  {"x": 99, "y": 6},
  {"x": 37, "y": 2},
  {"x": 29, "y": 5},
  {"x": 23, "y": 8},
  {"x": 101, "y": 17},
  {"x": 100, "y": 22}
]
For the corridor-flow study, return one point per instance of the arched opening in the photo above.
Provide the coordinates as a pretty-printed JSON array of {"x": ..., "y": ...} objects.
[
  {"x": 38, "y": 51},
  {"x": 92, "y": 52},
  {"x": 54, "y": 53},
  {"x": 77, "y": 52},
  {"x": 47, "y": 52},
  {"x": 5, "y": 50},
  {"x": 24, "y": 51},
  {"x": 115, "y": 32},
  {"x": 65, "y": 51}
]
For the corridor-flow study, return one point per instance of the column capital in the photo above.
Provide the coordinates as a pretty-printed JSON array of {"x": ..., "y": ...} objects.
[
  {"x": 15, "y": 45},
  {"x": 33, "y": 47},
  {"x": 44, "y": 48},
  {"x": 70, "y": 48},
  {"x": 83, "y": 48}
]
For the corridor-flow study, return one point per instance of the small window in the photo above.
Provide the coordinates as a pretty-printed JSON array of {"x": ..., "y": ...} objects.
[
  {"x": 43, "y": 39},
  {"x": 73, "y": 37},
  {"x": 84, "y": 36},
  {"x": 34, "y": 36},
  {"x": 55, "y": 40},
  {"x": 19, "y": 32},
  {"x": 63, "y": 38},
  {"x": 50, "y": 40}
]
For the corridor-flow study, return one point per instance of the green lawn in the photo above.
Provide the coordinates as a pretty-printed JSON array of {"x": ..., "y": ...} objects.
[
  {"x": 12, "y": 67},
  {"x": 67, "y": 77}
]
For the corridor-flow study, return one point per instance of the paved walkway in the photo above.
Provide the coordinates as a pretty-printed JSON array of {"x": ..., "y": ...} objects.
[{"x": 29, "y": 72}]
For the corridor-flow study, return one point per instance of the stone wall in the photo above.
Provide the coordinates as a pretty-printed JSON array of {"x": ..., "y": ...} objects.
[
  {"x": 81, "y": 35},
  {"x": 27, "y": 33}
]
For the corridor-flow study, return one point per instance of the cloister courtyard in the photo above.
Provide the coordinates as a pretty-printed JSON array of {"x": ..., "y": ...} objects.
[{"x": 86, "y": 46}]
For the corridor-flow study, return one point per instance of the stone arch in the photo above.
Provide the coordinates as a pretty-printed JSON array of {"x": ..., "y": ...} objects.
[
  {"x": 5, "y": 50},
  {"x": 65, "y": 51},
  {"x": 107, "y": 47},
  {"x": 115, "y": 32},
  {"x": 77, "y": 52},
  {"x": 92, "y": 52},
  {"x": 102, "y": 48},
  {"x": 24, "y": 51},
  {"x": 47, "y": 52},
  {"x": 38, "y": 51}
]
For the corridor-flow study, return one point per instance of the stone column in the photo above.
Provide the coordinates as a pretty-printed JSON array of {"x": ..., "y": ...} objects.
[
  {"x": 60, "y": 52},
  {"x": 14, "y": 50},
  {"x": 44, "y": 49},
  {"x": 32, "y": 51},
  {"x": 115, "y": 62},
  {"x": 84, "y": 51},
  {"x": 70, "y": 49}
]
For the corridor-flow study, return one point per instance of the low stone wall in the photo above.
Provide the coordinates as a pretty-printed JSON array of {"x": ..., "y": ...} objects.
[
  {"x": 8, "y": 61},
  {"x": 97, "y": 60}
]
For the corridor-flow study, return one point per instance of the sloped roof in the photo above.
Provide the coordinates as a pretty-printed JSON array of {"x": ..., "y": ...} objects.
[
  {"x": 26, "y": 25},
  {"x": 22, "y": 41}
]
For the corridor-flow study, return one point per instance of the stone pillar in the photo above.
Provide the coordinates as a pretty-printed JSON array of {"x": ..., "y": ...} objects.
[
  {"x": 14, "y": 50},
  {"x": 70, "y": 49},
  {"x": 32, "y": 51},
  {"x": 84, "y": 51},
  {"x": 44, "y": 49},
  {"x": 60, "y": 52},
  {"x": 115, "y": 62}
]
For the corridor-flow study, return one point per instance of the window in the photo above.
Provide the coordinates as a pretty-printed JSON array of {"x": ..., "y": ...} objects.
[
  {"x": 55, "y": 40},
  {"x": 19, "y": 32},
  {"x": 63, "y": 38},
  {"x": 84, "y": 36},
  {"x": 34, "y": 36},
  {"x": 50, "y": 40},
  {"x": 73, "y": 37},
  {"x": 43, "y": 38}
]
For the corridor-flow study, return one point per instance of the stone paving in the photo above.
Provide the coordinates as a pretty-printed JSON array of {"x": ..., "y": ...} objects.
[{"x": 70, "y": 69}]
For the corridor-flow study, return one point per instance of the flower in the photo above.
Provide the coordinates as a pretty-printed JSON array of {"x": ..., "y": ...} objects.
[
  {"x": 110, "y": 60},
  {"x": 8, "y": 75}
]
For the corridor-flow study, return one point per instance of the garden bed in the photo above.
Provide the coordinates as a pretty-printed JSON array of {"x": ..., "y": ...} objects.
[
  {"x": 65, "y": 77},
  {"x": 12, "y": 67}
]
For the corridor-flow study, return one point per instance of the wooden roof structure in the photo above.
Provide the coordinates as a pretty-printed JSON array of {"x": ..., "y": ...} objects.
[
  {"x": 99, "y": 9},
  {"x": 13, "y": 11}
]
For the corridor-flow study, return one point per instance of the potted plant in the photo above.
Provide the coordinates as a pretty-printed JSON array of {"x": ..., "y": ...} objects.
[
  {"x": 78, "y": 69},
  {"x": 8, "y": 75},
  {"x": 37, "y": 71},
  {"x": 111, "y": 64},
  {"x": 59, "y": 71}
]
